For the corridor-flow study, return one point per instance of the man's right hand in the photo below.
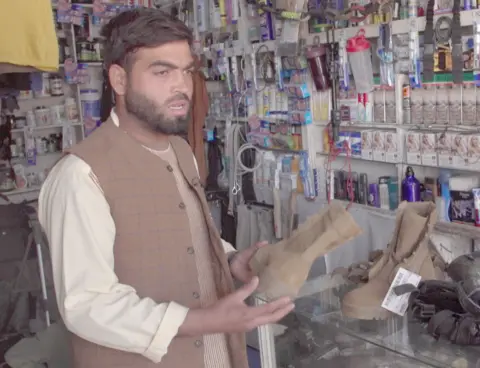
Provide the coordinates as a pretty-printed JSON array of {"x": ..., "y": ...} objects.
[{"x": 231, "y": 314}]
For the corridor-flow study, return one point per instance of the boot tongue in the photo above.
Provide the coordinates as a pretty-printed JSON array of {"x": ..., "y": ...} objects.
[{"x": 411, "y": 228}]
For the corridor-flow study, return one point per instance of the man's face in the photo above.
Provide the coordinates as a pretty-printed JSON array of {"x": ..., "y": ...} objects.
[{"x": 159, "y": 86}]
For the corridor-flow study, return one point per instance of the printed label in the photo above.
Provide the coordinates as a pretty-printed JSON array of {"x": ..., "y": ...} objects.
[{"x": 398, "y": 304}]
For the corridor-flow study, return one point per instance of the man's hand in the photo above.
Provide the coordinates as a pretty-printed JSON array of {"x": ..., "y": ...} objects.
[
  {"x": 239, "y": 266},
  {"x": 231, "y": 314}
]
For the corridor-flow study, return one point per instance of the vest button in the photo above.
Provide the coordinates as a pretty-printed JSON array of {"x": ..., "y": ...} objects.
[
  {"x": 181, "y": 205},
  {"x": 190, "y": 250},
  {"x": 169, "y": 168},
  {"x": 198, "y": 343},
  {"x": 196, "y": 295}
]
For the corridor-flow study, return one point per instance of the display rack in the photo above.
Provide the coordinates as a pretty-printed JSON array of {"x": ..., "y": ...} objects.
[
  {"x": 313, "y": 134},
  {"x": 324, "y": 333}
]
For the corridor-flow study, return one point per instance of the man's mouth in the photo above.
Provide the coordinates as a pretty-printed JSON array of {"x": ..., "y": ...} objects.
[{"x": 178, "y": 107}]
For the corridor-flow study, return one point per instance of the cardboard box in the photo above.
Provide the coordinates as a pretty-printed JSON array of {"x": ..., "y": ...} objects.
[
  {"x": 378, "y": 145},
  {"x": 412, "y": 144},
  {"x": 428, "y": 147}
]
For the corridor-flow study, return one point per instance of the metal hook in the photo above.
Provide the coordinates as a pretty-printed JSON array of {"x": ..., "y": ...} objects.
[{"x": 236, "y": 188}]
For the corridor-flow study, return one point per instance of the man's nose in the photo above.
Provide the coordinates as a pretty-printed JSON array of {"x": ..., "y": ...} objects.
[{"x": 182, "y": 82}]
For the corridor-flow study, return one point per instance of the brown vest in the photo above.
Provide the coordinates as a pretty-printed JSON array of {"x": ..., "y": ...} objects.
[{"x": 153, "y": 247}]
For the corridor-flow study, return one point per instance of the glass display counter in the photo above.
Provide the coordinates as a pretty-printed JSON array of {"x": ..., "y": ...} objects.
[{"x": 316, "y": 334}]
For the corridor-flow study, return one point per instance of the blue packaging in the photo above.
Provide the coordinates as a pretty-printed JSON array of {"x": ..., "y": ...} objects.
[{"x": 267, "y": 32}]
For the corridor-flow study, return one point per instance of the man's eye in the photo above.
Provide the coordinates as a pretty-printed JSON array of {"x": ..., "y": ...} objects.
[
  {"x": 190, "y": 71},
  {"x": 161, "y": 72}
]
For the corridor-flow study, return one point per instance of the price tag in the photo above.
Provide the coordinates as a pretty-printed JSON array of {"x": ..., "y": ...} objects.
[{"x": 398, "y": 304}]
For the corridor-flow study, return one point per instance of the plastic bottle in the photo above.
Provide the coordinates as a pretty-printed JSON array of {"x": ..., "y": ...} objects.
[
  {"x": 317, "y": 61},
  {"x": 410, "y": 187},
  {"x": 360, "y": 58},
  {"x": 71, "y": 110},
  {"x": 90, "y": 101}
]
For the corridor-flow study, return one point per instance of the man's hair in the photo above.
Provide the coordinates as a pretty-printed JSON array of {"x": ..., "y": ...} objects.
[{"x": 142, "y": 27}]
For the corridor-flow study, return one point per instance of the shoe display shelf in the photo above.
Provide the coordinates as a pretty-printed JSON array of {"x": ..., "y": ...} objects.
[{"x": 316, "y": 334}]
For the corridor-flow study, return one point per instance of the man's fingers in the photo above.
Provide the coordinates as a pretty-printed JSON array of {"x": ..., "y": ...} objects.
[
  {"x": 246, "y": 290},
  {"x": 261, "y": 244},
  {"x": 274, "y": 317},
  {"x": 270, "y": 308},
  {"x": 249, "y": 252}
]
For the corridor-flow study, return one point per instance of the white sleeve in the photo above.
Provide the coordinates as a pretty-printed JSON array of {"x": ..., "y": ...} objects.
[{"x": 93, "y": 303}]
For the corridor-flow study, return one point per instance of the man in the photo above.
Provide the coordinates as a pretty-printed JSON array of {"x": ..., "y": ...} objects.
[{"x": 141, "y": 275}]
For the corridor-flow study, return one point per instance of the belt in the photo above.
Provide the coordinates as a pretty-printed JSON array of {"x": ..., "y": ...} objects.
[
  {"x": 429, "y": 47},
  {"x": 457, "y": 54}
]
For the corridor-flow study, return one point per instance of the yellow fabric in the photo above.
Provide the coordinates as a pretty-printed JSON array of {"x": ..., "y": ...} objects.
[{"x": 28, "y": 34}]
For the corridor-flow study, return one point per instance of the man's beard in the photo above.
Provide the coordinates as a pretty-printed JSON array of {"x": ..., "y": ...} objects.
[{"x": 147, "y": 112}]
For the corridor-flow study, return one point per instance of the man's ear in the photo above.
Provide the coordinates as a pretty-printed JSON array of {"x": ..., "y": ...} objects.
[{"x": 118, "y": 79}]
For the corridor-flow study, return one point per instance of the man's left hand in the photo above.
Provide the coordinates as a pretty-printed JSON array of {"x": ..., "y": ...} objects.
[{"x": 239, "y": 265}]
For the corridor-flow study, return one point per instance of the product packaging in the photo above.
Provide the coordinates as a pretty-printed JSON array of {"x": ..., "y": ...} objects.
[
  {"x": 474, "y": 151},
  {"x": 363, "y": 189},
  {"x": 383, "y": 192},
  {"x": 413, "y": 148},
  {"x": 444, "y": 150},
  {"x": 392, "y": 152},
  {"x": 373, "y": 195},
  {"x": 430, "y": 192},
  {"x": 461, "y": 208},
  {"x": 460, "y": 150},
  {"x": 367, "y": 151},
  {"x": 356, "y": 144},
  {"x": 428, "y": 149},
  {"x": 393, "y": 192},
  {"x": 378, "y": 145},
  {"x": 476, "y": 203}
]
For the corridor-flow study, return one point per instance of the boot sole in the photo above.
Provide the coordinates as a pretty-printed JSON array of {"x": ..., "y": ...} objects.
[{"x": 370, "y": 313}]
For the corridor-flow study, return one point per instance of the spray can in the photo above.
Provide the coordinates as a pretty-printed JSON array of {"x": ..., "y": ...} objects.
[
  {"x": 363, "y": 189},
  {"x": 410, "y": 187}
]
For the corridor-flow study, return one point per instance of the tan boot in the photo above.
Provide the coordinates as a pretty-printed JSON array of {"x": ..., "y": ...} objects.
[
  {"x": 410, "y": 249},
  {"x": 283, "y": 267}
]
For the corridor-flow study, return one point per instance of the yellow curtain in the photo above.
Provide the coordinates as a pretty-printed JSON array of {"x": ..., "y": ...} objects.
[{"x": 28, "y": 34}]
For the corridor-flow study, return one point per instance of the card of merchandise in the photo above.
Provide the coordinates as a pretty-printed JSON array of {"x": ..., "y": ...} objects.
[
  {"x": 367, "y": 152},
  {"x": 412, "y": 145},
  {"x": 428, "y": 148},
  {"x": 392, "y": 152},
  {"x": 474, "y": 151},
  {"x": 460, "y": 150},
  {"x": 444, "y": 150},
  {"x": 378, "y": 145}
]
